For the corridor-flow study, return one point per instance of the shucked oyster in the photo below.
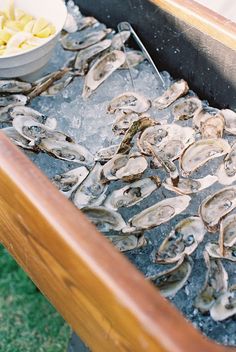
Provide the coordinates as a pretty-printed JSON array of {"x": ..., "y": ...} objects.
[
  {"x": 213, "y": 126},
  {"x": 227, "y": 232},
  {"x": 69, "y": 181},
  {"x": 124, "y": 167},
  {"x": 230, "y": 120},
  {"x": 216, "y": 283},
  {"x": 216, "y": 206},
  {"x": 184, "y": 239},
  {"x": 187, "y": 108},
  {"x": 189, "y": 186},
  {"x": 129, "y": 101},
  {"x": 13, "y": 99},
  {"x": 119, "y": 39},
  {"x": 177, "y": 90},
  {"x": 225, "y": 305},
  {"x": 133, "y": 193},
  {"x": 92, "y": 191},
  {"x": 227, "y": 170},
  {"x": 198, "y": 153},
  {"x": 160, "y": 212},
  {"x": 26, "y": 111},
  {"x": 133, "y": 58},
  {"x": 17, "y": 138},
  {"x": 172, "y": 280},
  {"x": 214, "y": 251},
  {"x": 124, "y": 121},
  {"x": 105, "y": 220},
  {"x": 14, "y": 86},
  {"x": 58, "y": 85},
  {"x": 106, "y": 154},
  {"x": 101, "y": 70},
  {"x": 126, "y": 243}
]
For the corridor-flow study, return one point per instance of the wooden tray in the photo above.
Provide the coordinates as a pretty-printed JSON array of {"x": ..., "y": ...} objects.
[{"x": 104, "y": 298}]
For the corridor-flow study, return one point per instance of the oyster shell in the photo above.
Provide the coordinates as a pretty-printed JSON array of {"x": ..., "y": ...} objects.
[
  {"x": 127, "y": 243},
  {"x": 216, "y": 206},
  {"x": 86, "y": 21},
  {"x": 70, "y": 25},
  {"x": 216, "y": 283},
  {"x": 172, "y": 280},
  {"x": 225, "y": 305},
  {"x": 230, "y": 120},
  {"x": 201, "y": 151},
  {"x": 133, "y": 193},
  {"x": 124, "y": 168},
  {"x": 58, "y": 85},
  {"x": 68, "y": 182},
  {"x": 92, "y": 191},
  {"x": 14, "y": 86},
  {"x": 176, "y": 90},
  {"x": 189, "y": 186},
  {"x": 123, "y": 122},
  {"x": 16, "y": 138},
  {"x": 213, "y": 127},
  {"x": 129, "y": 101},
  {"x": 187, "y": 108},
  {"x": 83, "y": 39},
  {"x": 119, "y": 39},
  {"x": 202, "y": 116},
  {"x": 105, "y": 220},
  {"x": 13, "y": 99},
  {"x": 227, "y": 232},
  {"x": 85, "y": 56},
  {"x": 214, "y": 251},
  {"x": 101, "y": 70},
  {"x": 133, "y": 59},
  {"x": 106, "y": 154},
  {"x": 69, "y": 151},
  {"x": 184, "y": 239},
  {"x": 227, "y": 170},
  {"x": 26, "y": 111},
  {"x": 160, "y": 212}
]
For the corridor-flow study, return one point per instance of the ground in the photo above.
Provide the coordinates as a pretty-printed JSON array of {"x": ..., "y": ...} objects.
[{"x": 28, "y": 323}]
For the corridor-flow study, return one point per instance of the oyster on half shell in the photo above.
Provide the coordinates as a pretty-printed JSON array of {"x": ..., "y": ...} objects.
[
  {"x": 17, "y": 138},
  {"x": 227, "y": 170},
  {"x": 160, "y": 212},
  {"x": 13, "y": 99},
  {"x": 26, "y": 111},
  {"x": 101, "y": 70},
  {"x": 172, "y": 280},
  {"x": 177, "y": 90},
  {"x": 105, "y": 154},
  {"x": 201, "y": 151},
  {"x": 124, "y": 121},
  {"x": 213, "y": 126},
  {"x": 13, "y": 86},
  {"x": 129, "y": 101},
  {"x": 127, "y": 243},
  {"x": 189, "y": 186},
  {"x": 230, "y": 120},
  {"x": 119, "y": 39},
  {"x": 216, "y": 206},
  {"x": 187, "y": 108},
  {"x": 214, "y": 251},
  {"x": 184, "y": 239},
  {"x": 225, "y": 305},
  {"x": 133, "y": 59},
  {"x": 227, "y": 236}
]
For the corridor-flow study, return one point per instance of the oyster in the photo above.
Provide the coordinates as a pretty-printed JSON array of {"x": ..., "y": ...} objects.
[
  {"x": 101, "y": 70},
  {"x": 133, "y": 59},
  {"x": 225, "y": 305},
  {"x": 105, "y": 154},
  {"x": 127, "y": 243},
  {"x": 123, "y": 122},
  {"x": 216, "y": 206},
  {"x": 85, "y": 56},
  {"x": 213, "y": 127},
  {"x": 105, "y": 220},
  {"x": 14, "y": 86},
  {"x": 133, "y": 193},
  {"x": 86, "y": 21},
  {"x": 160, "y": 212},
  {"x": 187, "y": 108},
  {"x": 70, "y": 25},
  {"x": 172, "y": 280},
  {"x": 216, "y": 283},
  {"x": 26, "y": 111},
  {"x": 177, "y": 90},
  {"x": 227, "y": 170},
  {"x": 199, "y": 152},
  {"x": 214, "y": 251},
  {"x": 119, "y": 39},
  {"x": 189, "y": 186},
  {"x": 13, "y": 99},
  {"x": 68, "y": 182},
  {"x": 58, "y": 85},
  {"x": 230, "y": 120},
  {"x": 16, "y": 138},
  {"x": 184, "y": 239},
  {"x": 92, "y": 191},
  {"x": 124, "y": 167},
  {"x": 69, "y": 151},
  {"x": 227, "y": 232},
  {"x": 129, "y": 101},
  {"x": 81, "y": 40}
]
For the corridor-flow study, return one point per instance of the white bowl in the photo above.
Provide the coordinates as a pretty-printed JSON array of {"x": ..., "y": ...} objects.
[{"x": 33, "y": 60}]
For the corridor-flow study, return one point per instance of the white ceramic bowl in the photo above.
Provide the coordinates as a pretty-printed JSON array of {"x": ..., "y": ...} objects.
[{"x": 33, "y": 60}]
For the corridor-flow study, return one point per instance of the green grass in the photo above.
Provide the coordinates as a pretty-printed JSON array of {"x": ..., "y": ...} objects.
[{"x": 28, "y": 322}]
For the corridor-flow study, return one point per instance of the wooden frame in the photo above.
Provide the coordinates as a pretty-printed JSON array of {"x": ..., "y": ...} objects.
[{"x": 104, "y": 298}]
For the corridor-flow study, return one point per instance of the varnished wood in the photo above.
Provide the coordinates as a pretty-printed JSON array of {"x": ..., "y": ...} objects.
[
  {"x": 104, "y": 298},
  {"x": 202, "y": 18}
]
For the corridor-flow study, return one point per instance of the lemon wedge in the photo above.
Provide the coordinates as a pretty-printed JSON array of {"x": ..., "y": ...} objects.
[
  {"x": 4, "y": 36},
  {"x": 40, "y": 25},
  {"x": 18, "y": 39},
  {"x": 10, "y": 11}
]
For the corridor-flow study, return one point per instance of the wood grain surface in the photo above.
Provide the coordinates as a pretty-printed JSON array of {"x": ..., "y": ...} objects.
[{"x": 104, "y": 298}]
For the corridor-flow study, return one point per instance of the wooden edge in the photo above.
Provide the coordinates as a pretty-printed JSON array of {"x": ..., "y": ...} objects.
[
  {"x": 202, "y": 18},
  {"x": 104, "y": 298}
]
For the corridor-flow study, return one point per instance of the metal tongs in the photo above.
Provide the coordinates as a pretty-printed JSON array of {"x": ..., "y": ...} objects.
[{"x": 126, "y": 26}]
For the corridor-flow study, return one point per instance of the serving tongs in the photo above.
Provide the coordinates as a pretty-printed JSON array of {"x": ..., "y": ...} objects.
[{"x": 126, "y": 26}]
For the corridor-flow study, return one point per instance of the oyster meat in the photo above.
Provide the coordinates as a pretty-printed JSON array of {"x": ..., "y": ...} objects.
[
  {"x": 133, "y": 193},
  {"x": 124, "y": 121},
  {"x": 189, "y": 186},
  {"x": 216, "y": 283},
  {"x": 119, "y": 39},
  {"x": 14, "y": 86},
  {"x": 230, "y": 120},
  {"x": 216, "y": 206},
  {"x": 225, "y": 305},
  {"x": 172, "y": 280},
  {"x": 160, "y": 212},
  {"x": 184, "y": 239},
  {"x": 201, "y": 151},
  {"x": 187, "y": 108},
  {"x": 101, "y": 70},
  {"x": 129, "y": 101},
  {"x": 127, "y": 243},
  {"x": 227, "y": 170},
  {"x": 213, "y": 126},
  {"x": 214, "y": 251},
  {"x": 26, "y": 111},
  {"x": 13, "y": 99},
  {"x": 106, "y": 154},
  {"x": 92, "y": 191},
  {"x": 177, "y": 90},
  {"x": 68, "y": 182},
  {"x": 17, "y": 138},
  {"x": 227, "y": 232}
]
